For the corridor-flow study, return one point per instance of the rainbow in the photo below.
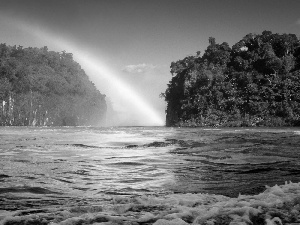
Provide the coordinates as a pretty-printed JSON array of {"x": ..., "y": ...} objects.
[{"x": 93, "y": 65}]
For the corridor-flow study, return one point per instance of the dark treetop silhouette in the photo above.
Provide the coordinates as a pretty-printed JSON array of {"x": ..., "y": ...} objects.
[
  {"x": 41, "y": 87},
  {"x": 254, "y": 83}
]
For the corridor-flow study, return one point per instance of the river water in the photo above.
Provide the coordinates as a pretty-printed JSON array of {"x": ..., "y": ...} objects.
[{"x": 43, "y": 166}]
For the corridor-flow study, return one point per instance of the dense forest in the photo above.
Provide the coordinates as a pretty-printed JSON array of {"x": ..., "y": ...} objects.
[
  {"x": 46, "y": 88},
  {"x": 256, "y": 82}
]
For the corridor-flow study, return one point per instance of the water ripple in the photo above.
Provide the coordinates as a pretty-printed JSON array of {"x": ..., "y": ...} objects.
[{"x": 92, "y": 162}]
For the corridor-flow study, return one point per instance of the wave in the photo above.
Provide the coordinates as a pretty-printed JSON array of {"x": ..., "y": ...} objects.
[
  {"x": 276, "y": 205},
  {"x": 33, "y": 190}
]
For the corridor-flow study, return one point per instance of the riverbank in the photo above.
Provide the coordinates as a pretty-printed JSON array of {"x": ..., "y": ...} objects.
[{"x": 245, "y": 122}]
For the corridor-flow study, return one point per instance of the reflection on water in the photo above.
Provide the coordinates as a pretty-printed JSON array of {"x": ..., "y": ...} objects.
[{"x": 61, "y": 165}]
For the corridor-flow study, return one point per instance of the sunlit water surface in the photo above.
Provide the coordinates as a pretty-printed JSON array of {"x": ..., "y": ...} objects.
[{"x": 61, "y": 166}]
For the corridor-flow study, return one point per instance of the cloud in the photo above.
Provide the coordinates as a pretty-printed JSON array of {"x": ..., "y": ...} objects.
[
  {"x": 139, "y": 68},
  {"x": 298, "y": 22}
]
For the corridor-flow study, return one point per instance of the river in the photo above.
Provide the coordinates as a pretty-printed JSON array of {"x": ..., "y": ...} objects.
[{"x": 70, "y": 166}]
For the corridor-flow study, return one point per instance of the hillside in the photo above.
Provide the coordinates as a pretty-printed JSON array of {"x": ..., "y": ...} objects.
[
  {"x": 256, "y": 82},
  {"x": 46, "y": 88}
]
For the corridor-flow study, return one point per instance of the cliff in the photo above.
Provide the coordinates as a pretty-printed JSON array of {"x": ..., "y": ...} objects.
[
  {"x": 46, "y": 88},
  {"x": 256, "y": 82}
]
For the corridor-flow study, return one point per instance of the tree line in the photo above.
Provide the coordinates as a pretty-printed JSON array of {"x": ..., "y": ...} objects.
[
  {"x": 256, "y": 82},
  {"x": 39, "y": 87}
]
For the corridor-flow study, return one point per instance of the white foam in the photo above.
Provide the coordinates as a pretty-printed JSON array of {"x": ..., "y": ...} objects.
[{"x": 279, "y": 204}]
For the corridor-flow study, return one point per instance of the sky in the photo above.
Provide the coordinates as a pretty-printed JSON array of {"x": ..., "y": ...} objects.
[{"x": 126, "y": 46}]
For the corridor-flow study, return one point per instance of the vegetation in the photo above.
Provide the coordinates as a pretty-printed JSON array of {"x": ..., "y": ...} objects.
[
  {"x": 46, "y": 88},
  {"x": 254, "y": 83}
]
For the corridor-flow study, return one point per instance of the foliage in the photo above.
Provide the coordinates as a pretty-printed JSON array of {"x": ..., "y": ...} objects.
[
  {"x": 254, "y": 83},
  {"x": 41, "y": 87}
]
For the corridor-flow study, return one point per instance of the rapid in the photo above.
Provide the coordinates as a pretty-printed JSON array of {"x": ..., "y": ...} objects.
[{"x": 64, "y": 173}]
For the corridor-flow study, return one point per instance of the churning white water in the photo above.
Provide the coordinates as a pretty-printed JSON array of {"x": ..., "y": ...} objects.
[{"x": 66, "y": 167}]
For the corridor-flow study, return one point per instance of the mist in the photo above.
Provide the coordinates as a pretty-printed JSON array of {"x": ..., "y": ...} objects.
[{"x": 126, "y": 107}]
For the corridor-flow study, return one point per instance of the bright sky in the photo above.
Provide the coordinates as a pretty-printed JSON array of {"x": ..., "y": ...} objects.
[{"x": 135, "y": 41}]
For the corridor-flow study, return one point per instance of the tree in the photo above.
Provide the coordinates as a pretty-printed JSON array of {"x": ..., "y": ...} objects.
[
  {"x": 256, "y": 82},
  {"x": 41, "y": 87}
]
